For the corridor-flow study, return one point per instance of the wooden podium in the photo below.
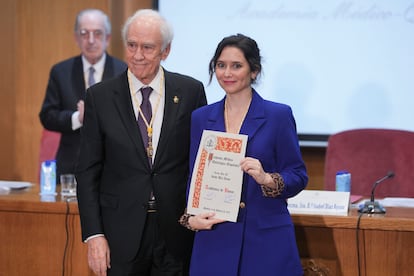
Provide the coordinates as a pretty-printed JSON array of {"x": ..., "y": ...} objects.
[{"x": 39, "y": 237}]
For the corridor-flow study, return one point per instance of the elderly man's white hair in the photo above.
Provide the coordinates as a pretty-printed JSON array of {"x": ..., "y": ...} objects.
[{"x": 166, "y": 30}]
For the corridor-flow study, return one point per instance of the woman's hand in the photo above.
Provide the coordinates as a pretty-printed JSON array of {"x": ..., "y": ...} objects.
[
  {"x": 253, "y": 167},
  {"x": 204, "y": 221}
]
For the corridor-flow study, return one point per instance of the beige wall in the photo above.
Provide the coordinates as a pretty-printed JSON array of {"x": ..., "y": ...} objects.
[{"x": 35, "y": 35}]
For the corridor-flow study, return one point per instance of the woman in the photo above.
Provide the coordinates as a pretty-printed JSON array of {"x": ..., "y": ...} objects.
[{"x": 262, "y": 241}]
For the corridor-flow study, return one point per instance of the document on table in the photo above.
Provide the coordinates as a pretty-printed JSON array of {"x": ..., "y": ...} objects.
[
  {"x": 397, "y": 202},
  {"x": 216, "y": 182},
  {"x": 14, "y": 185}
]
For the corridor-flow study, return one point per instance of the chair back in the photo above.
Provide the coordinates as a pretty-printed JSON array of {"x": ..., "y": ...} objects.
[
  {"x": 369, "y": 154},
  {"x": 49, "y": 143}
]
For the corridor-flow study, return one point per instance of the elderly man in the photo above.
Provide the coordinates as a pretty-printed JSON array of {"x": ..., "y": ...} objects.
[{"x": 133, "y": 166}]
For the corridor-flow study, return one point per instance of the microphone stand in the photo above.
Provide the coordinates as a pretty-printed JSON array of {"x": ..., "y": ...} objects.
[{"x": 373, "y": 206}]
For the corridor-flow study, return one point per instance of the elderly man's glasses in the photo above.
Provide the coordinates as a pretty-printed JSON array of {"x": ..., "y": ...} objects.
[
  {"x": 86, "y": 34},
  {"x": 145, "y": 49}
]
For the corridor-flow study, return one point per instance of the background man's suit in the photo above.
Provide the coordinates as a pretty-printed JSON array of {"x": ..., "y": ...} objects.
[
  {"x": 65, "y": 88},
  {"x": 114, "y": 176}
]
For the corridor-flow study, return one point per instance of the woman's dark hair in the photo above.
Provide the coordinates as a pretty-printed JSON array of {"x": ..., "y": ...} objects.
[{"x": 249, "y": 48}]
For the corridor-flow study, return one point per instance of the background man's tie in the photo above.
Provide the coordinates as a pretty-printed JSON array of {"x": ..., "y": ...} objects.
[{"x": 91, "y": 78}]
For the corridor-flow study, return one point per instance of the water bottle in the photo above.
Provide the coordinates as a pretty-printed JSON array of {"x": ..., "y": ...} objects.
[
  {"x": 48, "y": 177},
  {"x": 343, "y": 181}
]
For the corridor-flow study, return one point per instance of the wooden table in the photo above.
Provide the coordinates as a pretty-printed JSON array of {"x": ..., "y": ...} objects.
[
  {"x": 40, "y": 237},
  {"x": 329, "y": 245},
  {"x": 34, "y": 234}
]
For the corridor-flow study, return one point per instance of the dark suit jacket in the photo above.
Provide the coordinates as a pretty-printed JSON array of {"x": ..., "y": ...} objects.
[
  {"x": 113, "y": 174},
  {"x": 65, "y": 88}
]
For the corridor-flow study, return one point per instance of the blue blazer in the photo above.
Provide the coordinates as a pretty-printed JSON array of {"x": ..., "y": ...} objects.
[{"x": 262, "y": 241}]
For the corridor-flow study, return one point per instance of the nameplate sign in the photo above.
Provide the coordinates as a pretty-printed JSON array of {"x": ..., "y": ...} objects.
[{"x": 319, "y": 202}]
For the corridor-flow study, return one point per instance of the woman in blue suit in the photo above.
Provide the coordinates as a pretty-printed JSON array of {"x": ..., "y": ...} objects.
[{"x": 262, "y": 241}]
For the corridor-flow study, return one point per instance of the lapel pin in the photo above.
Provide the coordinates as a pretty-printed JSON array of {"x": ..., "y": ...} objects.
[{"x": 175, "y": 100}]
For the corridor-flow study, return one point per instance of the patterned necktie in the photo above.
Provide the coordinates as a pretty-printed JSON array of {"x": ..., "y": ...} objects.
[
  {"x": 91, "y": 79},
  {"x": 147, "y": 111}
]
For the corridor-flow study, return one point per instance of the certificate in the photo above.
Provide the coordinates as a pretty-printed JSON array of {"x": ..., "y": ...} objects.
[{"x": 216, "y": 182}]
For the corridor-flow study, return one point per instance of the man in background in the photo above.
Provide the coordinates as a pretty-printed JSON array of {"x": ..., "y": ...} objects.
[{"x": 63, "y": 107}]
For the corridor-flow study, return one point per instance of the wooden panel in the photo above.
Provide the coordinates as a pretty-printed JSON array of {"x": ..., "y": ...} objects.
[
  {"x": 333, "y": 249},
  {"x": 315, "y": 161},
  {"x": 37, "y": 244},
  {"x": 8, "y": 23},
  {"x": 42, "y": 237},
  {"x": 391, "y": 251},
  {"x": 328, "y": 244}
]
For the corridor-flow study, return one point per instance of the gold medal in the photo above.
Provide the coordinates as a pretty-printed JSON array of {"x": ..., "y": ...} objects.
[{"x": 150, "y": 150}]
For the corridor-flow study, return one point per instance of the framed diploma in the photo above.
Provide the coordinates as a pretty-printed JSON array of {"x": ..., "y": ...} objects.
[{"x": 216, "y": 182}]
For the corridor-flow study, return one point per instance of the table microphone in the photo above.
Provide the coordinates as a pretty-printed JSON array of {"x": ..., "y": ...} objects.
[{"x": 372, "y": 206}]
